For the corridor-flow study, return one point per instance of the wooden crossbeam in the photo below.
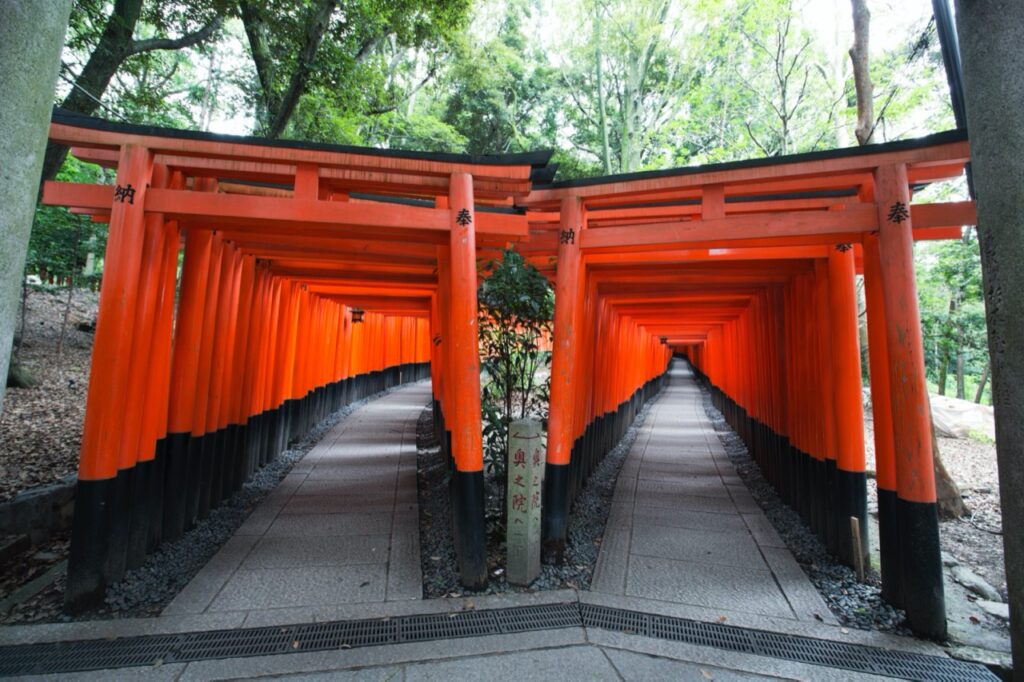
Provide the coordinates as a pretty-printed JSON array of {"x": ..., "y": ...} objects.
[{"x": 243, "y": 212}]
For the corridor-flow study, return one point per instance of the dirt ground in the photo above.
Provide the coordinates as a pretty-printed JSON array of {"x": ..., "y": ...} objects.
[
  {"x": 974, "y": 541},
  {"x": 41, "y": 427}
]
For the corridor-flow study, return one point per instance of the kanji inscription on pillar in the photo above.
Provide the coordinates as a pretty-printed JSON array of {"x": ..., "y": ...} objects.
[{"x": 525, "y": 482}]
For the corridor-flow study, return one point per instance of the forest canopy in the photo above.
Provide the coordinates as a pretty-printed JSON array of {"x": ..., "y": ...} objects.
[{"x": 611, "y": 86}]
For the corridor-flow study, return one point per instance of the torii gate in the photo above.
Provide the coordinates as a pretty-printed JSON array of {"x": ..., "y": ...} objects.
[
  {"x": 313, "y": 275},
  {"x": 746, "y": 268}
]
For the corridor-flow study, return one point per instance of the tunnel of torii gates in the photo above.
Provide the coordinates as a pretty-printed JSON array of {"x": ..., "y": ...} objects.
[{"x": 315, "y": 275}]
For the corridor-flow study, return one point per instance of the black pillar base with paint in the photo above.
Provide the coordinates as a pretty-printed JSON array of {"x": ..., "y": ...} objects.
[
  {"x": 921, "y": 560},
  {"x": 86, "y": 581},
  {"x": 119, "y": 524},
  {"x": 468, "y": 522},
  {"x": 175, "y": 485},
  {"x": 555, "y": 512},
  {"x": 851, "y": 501},
  {"x": 889, "y": 548}
]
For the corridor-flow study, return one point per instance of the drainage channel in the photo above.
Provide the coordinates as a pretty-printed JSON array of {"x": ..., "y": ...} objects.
[{"x": 151, "y": 650}]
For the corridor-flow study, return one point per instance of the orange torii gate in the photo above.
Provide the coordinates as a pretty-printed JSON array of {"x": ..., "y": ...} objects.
[
  {"x": 316, "y": 274},
  {"x": 748, "y": 269},
  {"x": 313, "y": 275}
]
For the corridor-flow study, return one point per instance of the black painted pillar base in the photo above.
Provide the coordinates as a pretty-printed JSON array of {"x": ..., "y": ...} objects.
[
  {"x": 193, "y": 478},
  {"x": 470, "y": 531},
  {"x": 923, "y": 592},
  {"x": 86, "y": 581},
  {"x": 555, "y": 512},
  {"x": 852, "y": 501},
  {"x": 156, "y": 495},
  {"x": 140, "y": 510},
  {"x": 119, "y": 524},
  {"x": 889, "y": 548},
  {"x": 175, "y": 482}
]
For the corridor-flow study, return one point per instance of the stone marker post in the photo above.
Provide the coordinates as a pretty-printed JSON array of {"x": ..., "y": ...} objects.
[{"x": 525, "y": 482}]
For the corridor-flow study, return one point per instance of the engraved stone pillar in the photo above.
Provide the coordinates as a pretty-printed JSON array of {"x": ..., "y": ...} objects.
[{"x": 525, "y": 481}]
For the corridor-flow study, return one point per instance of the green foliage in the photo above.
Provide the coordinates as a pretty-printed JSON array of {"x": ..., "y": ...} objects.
[
  {"x": 61, "y": 241},
  {"x": 952, "y": 309},
  {"x": 516, "y": 310}
]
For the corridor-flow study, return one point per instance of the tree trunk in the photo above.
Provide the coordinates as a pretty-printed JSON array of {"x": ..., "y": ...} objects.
[
  {"x": 981, "y": 384},
  {"x": 64, "y": 322},
  {"x": 993, "y": 66},
  {"x": 31, "y": 37},
  {"x": 943, "y": 369},
  {"x": 116, "y": 44},
  {"x": 865, "y": 129},
  {"x": 602, "y": 106},
  {"x": 961, "y": 391},
  {"x": 278, "y": 108}
]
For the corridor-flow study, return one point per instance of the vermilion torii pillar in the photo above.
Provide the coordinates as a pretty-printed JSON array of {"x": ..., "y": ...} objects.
[
  {"x": 467, "y": 433},
  {"x": 916, "y": 511},
  {"x": 881, "y": 411},
  {"x": 98, "y": 471},
  {"x": 561, "y": 417},
  {"x": 851, "y": 482}
]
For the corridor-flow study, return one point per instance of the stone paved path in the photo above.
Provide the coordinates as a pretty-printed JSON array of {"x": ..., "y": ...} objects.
[
  {"x": 338, "y": 540},
  {"x": 341, "y": 528},
  {"x": 684, "y": 529}
]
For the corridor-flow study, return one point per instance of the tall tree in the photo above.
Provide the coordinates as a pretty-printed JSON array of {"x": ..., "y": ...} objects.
[
  {"x": 993, "y": 68},
  {"x": 948, "y": 498},
  {"x": 110, "y": 40},
  {"x": 30, "y": 38},
  {"x": 330, "y": 47},
  {"x": 859, "y": 56}
]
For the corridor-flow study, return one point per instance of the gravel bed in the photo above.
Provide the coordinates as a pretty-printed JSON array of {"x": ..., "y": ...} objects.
[
  {"x": 855, "y": 604},
  {"x": 586, "y": 523},
  {"x": 145, "y": 591}
]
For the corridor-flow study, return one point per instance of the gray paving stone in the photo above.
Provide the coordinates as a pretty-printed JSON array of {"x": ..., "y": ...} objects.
[
  {"x": 717, "y": 505},
  {"x": 642, "y": 667},
  {"x": 405, "y": 578},
  {"x": 612, "y": 562},
  {"x": 710, "y": 585},
  {"x": 286, "y": 551},
  {"x": 343, "y": 485},
  {"x": 201, "y": 590},
  {"x": 569, "y": 663},
  {"x": 319, "y": 525},
  {"x": 763, "y": 531},
  {"x": 699, "y": 486},
  {"x": 688, "y": 544},
  {"x": 804, "y": 599},
  {"x": 620, "y": 517},
  {"x": 335, "y": 504},
  {"x": 304, "y": 586},
  {"x": 686, "y": 518},
  {"x": 259, "y": 521}
]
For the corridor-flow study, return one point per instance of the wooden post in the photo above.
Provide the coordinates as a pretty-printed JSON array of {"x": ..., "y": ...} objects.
[
  {"x": 98, "y": 465},
  {"x": 881, "y": 412},
  {"x": 561, "y": 415},
  {"x": 188, "y": 332},
  {"x": 924, "y": 598},
  {"x": 467, "y": 432},
  {"x": 851, "y": 482}
]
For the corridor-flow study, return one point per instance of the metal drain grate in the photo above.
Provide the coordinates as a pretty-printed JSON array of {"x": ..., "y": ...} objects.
[
  {"x": 855, "y": 657},
  {"x": 447, "y": 626},
  {"x": 64, "y": 657},
  {"x": 544, "y": 617}
]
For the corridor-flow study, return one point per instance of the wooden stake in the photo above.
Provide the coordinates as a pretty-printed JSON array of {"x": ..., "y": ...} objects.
[{"x": 858, "y": 557}]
